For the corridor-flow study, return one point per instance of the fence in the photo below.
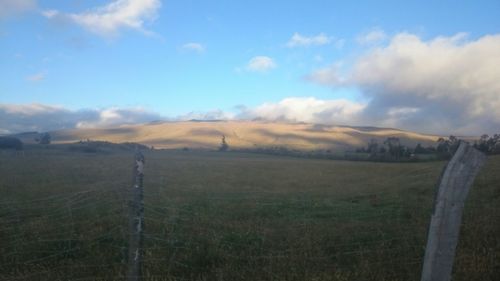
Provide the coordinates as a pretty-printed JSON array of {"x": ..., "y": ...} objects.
[{"x": 215, "y": 216}]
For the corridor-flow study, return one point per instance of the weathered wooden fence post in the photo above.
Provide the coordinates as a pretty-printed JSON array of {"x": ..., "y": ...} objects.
[
  {"x": 444, "y": 229},
  {"x": 136, "y": 220}
]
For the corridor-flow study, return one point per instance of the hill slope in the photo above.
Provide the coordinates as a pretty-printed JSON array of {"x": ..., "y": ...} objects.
[{"x": 242, "y": 135}]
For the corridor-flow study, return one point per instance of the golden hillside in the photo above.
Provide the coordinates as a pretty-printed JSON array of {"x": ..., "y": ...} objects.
[{"x": 242, "y": 134}]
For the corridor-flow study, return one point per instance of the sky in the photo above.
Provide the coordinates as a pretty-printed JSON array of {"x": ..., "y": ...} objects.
[{"x": 426, "y": 66}]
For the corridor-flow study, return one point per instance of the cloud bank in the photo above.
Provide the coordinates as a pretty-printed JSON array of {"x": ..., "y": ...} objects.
[
  {"x": 41, "y": 118},
  {"x": 306, "y": 109},
  {"x": 109, "y": 19},
  {"x": 447, "y": 84}
]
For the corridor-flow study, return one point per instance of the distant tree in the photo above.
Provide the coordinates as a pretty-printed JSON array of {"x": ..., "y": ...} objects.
[
  {"x": 430, "y": 149},
  {"x": 382, "y": 150},
  {"x": 11, "y": 143},
  {"x": 360, "y": 150},
  {"x": 372, "y": 147},
  {"x": 489, "y": 145},
  {"x": 394, "y": 147},
  {"x": 44, "y": 138},
  {"x": 454, "y": 143},
  {"x": 447, "y": 147},
  {"x": 223, "y": 145},
  {"x": 495, "y": 144},
  {"x": 443, "y": 145},
  {"x": 406, "y": 152},
  {"x": 419, "y": 149}
]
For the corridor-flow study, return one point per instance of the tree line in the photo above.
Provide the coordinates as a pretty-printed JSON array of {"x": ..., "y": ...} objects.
[
  {"x": 393, "y": 149},
  {"x": 488, "y": 145},
  {"x": 11, "y": 142}
]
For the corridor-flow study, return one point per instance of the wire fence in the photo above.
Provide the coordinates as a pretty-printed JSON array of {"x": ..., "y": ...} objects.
[{"x": 223, "y": 216}]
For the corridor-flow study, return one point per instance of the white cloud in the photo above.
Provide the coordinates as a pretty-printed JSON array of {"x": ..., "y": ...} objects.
[
  {"x": 206, "y": 115},
  {"x": 37, "y": 77},
  {"x": 109, "y": 19},
  {"x": 195, "y": 47},
  {"x": 307, "y": 109},
  {"x": 116, "y": 116},
  {"x": 375, "y": 35},
  {"x": 50, "y": 13},
  {"x": 299, "y": 40},
  {"x": 402, "y": 111},
  {"x": 261, "y": 64},
  {"x": 451, "y": 84},
  {"x": 328, "y": 76},
  {"x": 9, "y": 8},
  {"x": 15, "y": 118},
  {"x": 29, "y": 109}
]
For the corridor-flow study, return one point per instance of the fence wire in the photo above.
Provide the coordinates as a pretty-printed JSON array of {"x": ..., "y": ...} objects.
[{"x": 223, "y": 216}]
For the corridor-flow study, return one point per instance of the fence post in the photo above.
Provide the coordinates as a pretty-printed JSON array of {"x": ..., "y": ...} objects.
[
  {"x": 445, "y": 223},
  {"x": 136, "y": 220}
]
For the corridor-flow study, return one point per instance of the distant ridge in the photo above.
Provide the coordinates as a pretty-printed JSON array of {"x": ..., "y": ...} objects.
[
  {"x": 204, "y": 120},
  {"x": 207, "y": 134}
]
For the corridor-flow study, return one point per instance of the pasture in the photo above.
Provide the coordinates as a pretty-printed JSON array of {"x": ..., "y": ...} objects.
[{"x": 233, "y": 216}]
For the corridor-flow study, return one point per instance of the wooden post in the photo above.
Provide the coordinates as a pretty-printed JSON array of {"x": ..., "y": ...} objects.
[
  {"x": 444, "y": 229},
  {"x": 136, "y": 220}
]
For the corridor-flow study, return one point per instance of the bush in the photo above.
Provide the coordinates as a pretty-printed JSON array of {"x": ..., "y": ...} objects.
[
  {"x": 44, "y": 138},
  {"x": 11, "y": 143}
]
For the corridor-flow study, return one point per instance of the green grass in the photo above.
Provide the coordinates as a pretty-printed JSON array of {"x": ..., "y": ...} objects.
[{"x": 233, "y": 216}]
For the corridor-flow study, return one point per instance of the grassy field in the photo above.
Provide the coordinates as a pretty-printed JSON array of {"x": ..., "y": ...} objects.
[{"x": 233, "y": 216}]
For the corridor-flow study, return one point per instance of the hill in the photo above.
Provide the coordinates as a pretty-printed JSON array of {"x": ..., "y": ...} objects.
[{"x": 243, "y": 135}]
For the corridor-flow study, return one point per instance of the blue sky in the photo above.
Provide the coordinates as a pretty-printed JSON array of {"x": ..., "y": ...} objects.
[{"x": 171, "y": 58}]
